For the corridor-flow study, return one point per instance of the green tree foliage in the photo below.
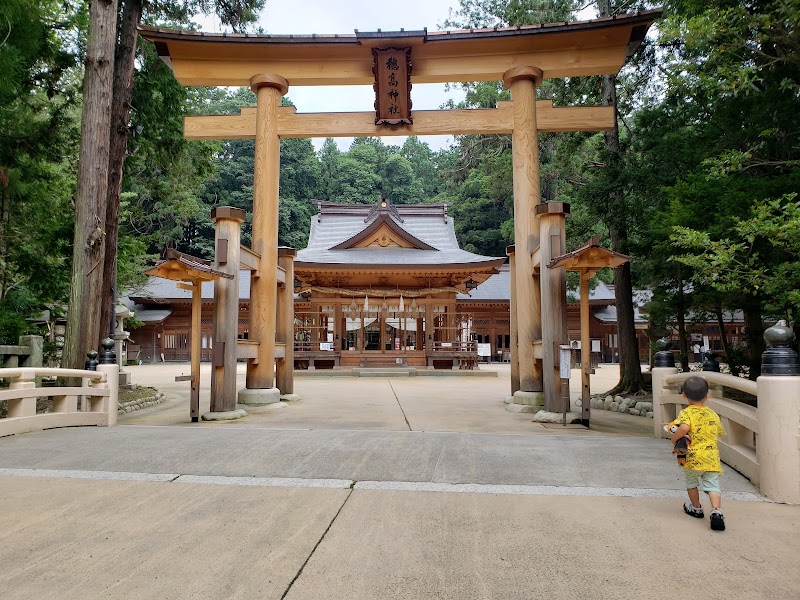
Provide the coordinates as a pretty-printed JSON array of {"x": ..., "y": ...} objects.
[
  {"x": 720, "y": 146},
  {"x": 164, "y": 172},
  {"x": 759, "y": 255},
  {"x": 39, "y": 127}
]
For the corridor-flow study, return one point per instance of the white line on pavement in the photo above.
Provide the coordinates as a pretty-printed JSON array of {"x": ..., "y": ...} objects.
[
  {"x": 408, "y": 486},
  {"x": 267, "y": 481},
  {"x": 541, "y": 490},
  {"x": 109, "y": 475}
]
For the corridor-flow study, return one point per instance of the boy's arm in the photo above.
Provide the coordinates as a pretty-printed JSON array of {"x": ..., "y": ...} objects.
[{"x": 683, "y": 429}]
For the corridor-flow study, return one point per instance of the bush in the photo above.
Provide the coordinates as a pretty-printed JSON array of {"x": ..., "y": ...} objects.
[{"x": 12, "y": 325}]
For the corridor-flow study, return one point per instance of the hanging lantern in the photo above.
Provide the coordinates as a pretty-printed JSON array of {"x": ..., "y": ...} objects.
[
  {"x": 366, "y": 304},
  {"x": 384, "y": 306},
  {"x": 402, "y": 305},
  {"x": 414, "y": 306},
  {"x": 353, "y": 308}
]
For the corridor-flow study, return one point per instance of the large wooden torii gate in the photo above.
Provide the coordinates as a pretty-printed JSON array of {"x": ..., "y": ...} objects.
[{"x": 519, "y": 56}]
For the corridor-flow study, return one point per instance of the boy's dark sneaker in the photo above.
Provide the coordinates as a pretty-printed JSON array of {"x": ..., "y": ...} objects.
[
  {"x": 694, "y": 512},
  {"x": 717, "y": 520}
]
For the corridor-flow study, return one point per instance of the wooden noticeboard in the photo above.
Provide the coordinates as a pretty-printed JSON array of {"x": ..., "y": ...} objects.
[{"x": 392, "y": 70}]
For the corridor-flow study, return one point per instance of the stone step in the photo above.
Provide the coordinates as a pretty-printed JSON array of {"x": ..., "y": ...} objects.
[{"x": 384, "y": 371}]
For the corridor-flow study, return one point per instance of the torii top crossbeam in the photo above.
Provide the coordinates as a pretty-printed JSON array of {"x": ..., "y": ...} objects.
[{"x": 595, "y": 47}]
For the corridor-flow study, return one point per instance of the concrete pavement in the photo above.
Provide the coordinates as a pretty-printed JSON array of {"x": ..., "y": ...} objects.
[
  {"x": 463, "y": 404},
  {"x": 373, "y": 488},
  {"x": 77, "y": 538}
]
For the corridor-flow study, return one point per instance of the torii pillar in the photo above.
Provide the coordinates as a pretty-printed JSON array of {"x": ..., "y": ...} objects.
[
  {"x": 264, "y": 284},
  {"x": 522, "y": 82}
]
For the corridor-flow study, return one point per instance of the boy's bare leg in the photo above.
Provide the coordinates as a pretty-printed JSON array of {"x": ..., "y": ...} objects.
[
  {"x": 714, "y": 497},
  {"x": 694, "y": 497}
]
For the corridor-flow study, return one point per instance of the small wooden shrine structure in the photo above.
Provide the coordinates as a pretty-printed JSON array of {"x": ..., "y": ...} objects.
[{"x": 586, "y": 260}]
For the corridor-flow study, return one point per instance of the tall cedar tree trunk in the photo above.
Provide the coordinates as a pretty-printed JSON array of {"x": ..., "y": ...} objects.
[
  {"x": 86, "y": 284},
  {"x": 120, "y": 113},
  {"x": 726, "y": 346},
  {"x": 754, "y": 335},
  {"x": 630, "y": 370}
]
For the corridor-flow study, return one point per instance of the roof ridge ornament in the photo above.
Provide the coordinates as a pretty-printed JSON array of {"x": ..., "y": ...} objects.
[{"x": 383, "y": 206}]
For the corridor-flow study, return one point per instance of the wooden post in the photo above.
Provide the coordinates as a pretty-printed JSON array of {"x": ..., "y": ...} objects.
[
  {"x": 361, "y": 343},
  {"x": 227, "y": 223},
  {"x": 522, "y": 82},
  {"x": 586, "y": 349},
  {"x": 552, "y": 233},
  {"x": 285, "y": 322},
  {"x": 512, "y": 312},
  {"x": 428, "y": 335},
  {"x": 338, "y": 329},
  {"x": 264, "y": 288},
  {"x": 197, "y": 311}
]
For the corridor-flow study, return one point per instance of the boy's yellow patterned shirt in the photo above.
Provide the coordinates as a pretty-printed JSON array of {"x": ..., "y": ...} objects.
[{"x": 704, "y": 429}]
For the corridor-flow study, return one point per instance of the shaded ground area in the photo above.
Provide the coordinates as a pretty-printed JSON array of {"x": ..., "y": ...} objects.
[{"x": 497, "y": 459}]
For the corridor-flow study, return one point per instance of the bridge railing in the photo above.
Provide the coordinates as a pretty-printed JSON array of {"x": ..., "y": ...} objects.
[
  {"x": 98, "y": 391},
  {"x": 763, "y": 441},
  {"x": 738, "y": 448}
]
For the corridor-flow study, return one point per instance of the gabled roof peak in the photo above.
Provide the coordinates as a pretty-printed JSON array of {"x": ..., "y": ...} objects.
[{"x": 383, "y": 206}]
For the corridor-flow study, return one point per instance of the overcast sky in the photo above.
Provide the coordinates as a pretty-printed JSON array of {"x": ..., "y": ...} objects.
[{"x": 343, "y": 16}]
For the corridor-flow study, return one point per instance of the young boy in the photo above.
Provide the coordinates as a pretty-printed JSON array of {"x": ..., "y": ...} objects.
[{"x": 703, "y": 427}]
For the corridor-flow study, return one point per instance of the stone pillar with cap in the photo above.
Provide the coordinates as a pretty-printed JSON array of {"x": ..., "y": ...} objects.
[
  {"x": 778, "y": 442},
  {"x": 522, "y": 82},
  {"x": 121, "y": 312},
  {"x": 269, "y": 89}
]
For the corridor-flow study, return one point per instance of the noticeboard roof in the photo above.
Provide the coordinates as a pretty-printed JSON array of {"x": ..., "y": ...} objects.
[
  {"x": 588, "y": 257},
  {"x": 178, "y": 266}
]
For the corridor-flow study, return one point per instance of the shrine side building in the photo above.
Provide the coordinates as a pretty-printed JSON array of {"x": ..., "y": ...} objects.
[{"x": 377, "y": 285}]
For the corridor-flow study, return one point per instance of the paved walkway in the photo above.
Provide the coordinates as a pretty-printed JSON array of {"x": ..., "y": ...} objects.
[
  {"x": 463, "y": 404},
  {"x": 412, "y": 488}
]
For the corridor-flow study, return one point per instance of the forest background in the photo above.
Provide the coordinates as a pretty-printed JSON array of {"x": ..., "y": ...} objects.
[{"x": 698, "y": 184}]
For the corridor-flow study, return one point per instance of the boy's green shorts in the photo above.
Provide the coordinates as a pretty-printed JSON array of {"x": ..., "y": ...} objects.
[{"x": 708, "y": 479}]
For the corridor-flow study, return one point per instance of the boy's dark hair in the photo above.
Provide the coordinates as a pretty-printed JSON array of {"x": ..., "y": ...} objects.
[{"x": 695, "y": 388}]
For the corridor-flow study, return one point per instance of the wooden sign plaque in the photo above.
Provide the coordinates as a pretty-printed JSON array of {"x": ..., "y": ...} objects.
[{"x": 392, "y": 70}]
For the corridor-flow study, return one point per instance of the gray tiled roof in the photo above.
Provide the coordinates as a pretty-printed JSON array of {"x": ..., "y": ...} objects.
[
  {"x": 429, "y": 224},
  {"x": 158, "y": 290},
  {"x": 498, "y": 288},
  {"x": 164, "y": 291}
]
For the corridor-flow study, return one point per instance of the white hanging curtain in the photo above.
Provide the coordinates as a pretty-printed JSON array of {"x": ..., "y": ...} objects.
[
  {"x": 398, "y": 322},
  {"x": 354, "y": 324}
]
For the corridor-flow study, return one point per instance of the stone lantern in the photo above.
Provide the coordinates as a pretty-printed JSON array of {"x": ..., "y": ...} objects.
[{"x": 121, "y": 312}]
